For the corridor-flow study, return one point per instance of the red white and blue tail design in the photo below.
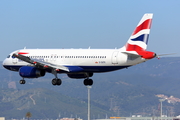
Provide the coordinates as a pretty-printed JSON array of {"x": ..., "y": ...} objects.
[
  {"x": 137, "y": 43},
  {"x": 139, "y": 38}
]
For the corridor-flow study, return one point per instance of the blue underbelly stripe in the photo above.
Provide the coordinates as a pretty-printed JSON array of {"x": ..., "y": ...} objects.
[{"x": 84, "y": 68}]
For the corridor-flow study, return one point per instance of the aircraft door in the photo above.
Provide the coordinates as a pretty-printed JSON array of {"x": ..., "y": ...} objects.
[{"x": 115, "y": 57}]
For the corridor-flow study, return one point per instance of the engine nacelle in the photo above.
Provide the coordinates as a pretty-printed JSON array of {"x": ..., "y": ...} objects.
[
  {"x": 31, "y": 72},
  {"x": 79, "y": 75}
]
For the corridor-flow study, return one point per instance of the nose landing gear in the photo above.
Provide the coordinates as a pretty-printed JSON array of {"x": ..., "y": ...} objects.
[{"x": 22, "y": 81}]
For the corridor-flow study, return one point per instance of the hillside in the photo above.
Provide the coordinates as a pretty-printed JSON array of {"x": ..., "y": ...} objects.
[
  {"x": 124, "y": 92},
  {"x": 42, "y": 103}
]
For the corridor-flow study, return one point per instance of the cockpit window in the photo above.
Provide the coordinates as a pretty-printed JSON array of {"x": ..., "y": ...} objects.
[
  {"x": 13, "y": 57},
  {"x": 8, "y": 56}
]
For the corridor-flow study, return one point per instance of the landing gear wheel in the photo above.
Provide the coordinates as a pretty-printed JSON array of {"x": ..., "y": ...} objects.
[
  {"x": 22, "y": 81},
  {"x": 88, "y": 82},
  {"x": 56, "y": 81}
]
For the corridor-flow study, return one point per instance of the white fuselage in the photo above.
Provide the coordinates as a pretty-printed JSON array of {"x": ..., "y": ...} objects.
[{"x": 92, "y": 60}]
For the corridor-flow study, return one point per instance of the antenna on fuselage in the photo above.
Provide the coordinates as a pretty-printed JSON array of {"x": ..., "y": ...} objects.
[
  {"x": 89, "y": 47},
  {"x": 25, "y": 47}
]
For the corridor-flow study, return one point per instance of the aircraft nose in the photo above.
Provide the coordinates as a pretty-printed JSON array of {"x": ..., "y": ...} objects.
[{"x": 4, "y": 62}]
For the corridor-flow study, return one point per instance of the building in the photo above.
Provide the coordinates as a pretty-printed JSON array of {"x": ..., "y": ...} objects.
[
  {"x": 70, "y": 119},
  {"x": 2, "y": 118},
  {"x": 139, "y": 118}
]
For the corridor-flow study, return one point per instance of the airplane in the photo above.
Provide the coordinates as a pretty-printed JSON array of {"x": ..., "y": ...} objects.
[{"x": 82, "y": 63}]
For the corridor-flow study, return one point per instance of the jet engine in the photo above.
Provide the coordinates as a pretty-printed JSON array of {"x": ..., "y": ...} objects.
[
  {"x": 80, "y": 75},
  {"x": 31, "y": 72}
]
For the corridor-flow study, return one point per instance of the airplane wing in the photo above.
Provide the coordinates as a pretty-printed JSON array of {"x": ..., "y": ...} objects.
[{"x": 40, "y": 64}]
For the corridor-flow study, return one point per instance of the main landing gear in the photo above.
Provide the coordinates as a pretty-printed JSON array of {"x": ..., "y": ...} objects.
[
  {"x": 56, "y": 81},
  {"x": 88, "y": 82}
]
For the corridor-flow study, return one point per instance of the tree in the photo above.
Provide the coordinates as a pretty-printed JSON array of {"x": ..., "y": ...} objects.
[{"x": 28, "y": 115}]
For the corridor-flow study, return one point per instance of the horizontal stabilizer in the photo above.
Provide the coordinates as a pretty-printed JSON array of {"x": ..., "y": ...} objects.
[{"x": 132, "y": 53}]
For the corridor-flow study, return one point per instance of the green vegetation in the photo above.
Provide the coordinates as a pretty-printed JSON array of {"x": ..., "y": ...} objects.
[
  {"x": 42, "y": 103},
  {"x": 28, "y": 115},
  {"x": 121, "y": 93}
]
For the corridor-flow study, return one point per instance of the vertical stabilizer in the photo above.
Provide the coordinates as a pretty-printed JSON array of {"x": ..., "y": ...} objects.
[{"x": 139, "y": 38}]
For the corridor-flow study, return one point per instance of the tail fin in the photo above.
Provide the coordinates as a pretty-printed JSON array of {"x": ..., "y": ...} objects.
[{"x": 139, "y": 38}]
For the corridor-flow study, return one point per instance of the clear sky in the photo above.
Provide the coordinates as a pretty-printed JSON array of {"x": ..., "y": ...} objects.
[{"x": 84, "y": 23}]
